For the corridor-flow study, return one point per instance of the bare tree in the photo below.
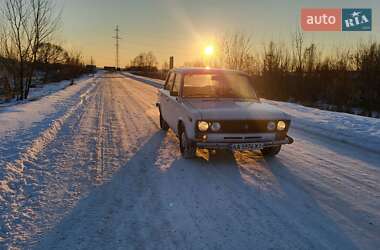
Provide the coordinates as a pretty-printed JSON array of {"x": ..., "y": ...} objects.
[
  {"x": 150, "y": 59},
  {"x": 49, "y": 56},
  {"x": 16, "y": 38},
  {"x": 44, "y": 24},
  {"x": 298, "y": 43},
  {"x": 146, "y": 61},
  {"x": 8, "y": 58},
  {"x": 276, "y": 64},
  {"x": 235, "y": 51},
  {"x": 26, "y": 25},
  {"x": 310, "y": 58}
]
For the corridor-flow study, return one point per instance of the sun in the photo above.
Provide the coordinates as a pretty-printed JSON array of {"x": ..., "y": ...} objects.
[{"x": 209, "y": 50}]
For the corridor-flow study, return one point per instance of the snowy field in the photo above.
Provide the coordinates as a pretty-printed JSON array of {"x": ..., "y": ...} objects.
[{"x": 87, "y": 167}]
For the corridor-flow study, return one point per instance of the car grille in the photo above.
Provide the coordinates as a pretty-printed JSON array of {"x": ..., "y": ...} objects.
[
  {"x": 243, "y": 126},
  {"x": 250, "y": 126}
]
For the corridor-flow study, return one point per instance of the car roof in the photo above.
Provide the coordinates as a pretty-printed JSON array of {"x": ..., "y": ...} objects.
[{"x": 194, "y": 70}]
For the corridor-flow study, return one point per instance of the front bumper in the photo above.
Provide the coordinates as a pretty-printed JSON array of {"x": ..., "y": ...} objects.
[{"x": 228, "y": 145}]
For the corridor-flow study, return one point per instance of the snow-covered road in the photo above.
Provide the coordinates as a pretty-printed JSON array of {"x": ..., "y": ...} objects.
[{"x": 99, "y": 174}]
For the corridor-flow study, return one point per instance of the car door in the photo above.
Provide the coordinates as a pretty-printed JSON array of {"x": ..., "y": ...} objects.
[
  {"x": 174, "y": 102},
  {"x": 165, "y": 95}
]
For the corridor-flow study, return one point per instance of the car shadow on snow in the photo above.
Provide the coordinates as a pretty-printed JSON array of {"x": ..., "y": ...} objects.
[
  {"x": 286, "y": 195},
  {"x": 85, "y": 218},
  {"x": 136, "y": 200}
]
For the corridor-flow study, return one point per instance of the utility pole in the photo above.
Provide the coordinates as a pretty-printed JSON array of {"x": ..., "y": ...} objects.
[
  {"x": 117, "y": 38},
  {"x": 171, "y": 62}
]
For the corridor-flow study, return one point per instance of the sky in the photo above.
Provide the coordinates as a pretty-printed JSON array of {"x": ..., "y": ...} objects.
[{"x": 182, "y": 28}]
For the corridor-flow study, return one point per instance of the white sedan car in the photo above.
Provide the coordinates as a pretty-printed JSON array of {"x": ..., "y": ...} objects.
[{"x": 219, "y": 109}]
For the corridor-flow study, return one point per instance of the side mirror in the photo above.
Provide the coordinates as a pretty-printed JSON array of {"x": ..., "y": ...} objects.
[{"x": 173, "y": 93}]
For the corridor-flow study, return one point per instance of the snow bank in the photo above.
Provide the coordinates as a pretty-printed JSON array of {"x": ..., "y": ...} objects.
[
  {"x": 42, "y": 90},
  {"x": 23, "y": 115},
  {"x": 25, "y": 130},
  {"x": 353, "y": 129},
  {"x": 154, "y": 82}
]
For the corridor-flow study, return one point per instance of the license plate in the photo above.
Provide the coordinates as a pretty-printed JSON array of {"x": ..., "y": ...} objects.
[{"x": 248, "y": 146}]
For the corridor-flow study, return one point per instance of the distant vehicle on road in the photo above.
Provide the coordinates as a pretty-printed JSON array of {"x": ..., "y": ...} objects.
[
  {"x": 110, "y": 68},
  {"x": 219, "y": 109}
]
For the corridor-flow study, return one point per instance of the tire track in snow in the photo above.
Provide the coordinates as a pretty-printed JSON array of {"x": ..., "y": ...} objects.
[{"x": 96, "y": 142}]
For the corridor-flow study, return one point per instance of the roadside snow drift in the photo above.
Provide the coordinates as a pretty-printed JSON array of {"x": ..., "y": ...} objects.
[
  {"x": 27, "y": 129},
  {"x": 353, "y": 129}
]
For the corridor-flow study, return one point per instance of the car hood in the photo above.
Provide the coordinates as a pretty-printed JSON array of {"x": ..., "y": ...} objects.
[{"x": 235, "y": 110}]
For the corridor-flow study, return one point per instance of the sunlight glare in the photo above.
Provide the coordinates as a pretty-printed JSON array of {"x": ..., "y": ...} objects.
[{"x": 209, "y": 50}]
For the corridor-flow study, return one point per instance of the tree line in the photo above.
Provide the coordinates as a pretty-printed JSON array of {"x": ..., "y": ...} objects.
[
  {"x": 145, "y": 61},
  {"x": 346, "y": 79},
  {"x": 302, "y": 72},
  {"x": 146, "y": 64},
  {"x": 27, "y": 47}
]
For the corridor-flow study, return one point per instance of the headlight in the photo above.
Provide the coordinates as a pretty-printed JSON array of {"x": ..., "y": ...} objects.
[
  {"x": 281, "y": 126},
  {"x": 215, "y": 127},
  {"x": 203, "y": 126},
  {"x": 271, "y": 126}
]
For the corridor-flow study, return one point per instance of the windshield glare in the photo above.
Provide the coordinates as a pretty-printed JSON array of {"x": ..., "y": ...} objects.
[{"x": 218, "y": 85}]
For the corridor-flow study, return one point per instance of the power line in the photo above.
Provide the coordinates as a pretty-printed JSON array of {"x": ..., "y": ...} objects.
[{"x": 117, "y": 38}]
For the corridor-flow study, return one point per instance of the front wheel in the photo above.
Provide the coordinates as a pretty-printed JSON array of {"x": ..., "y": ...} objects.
[
  {"x": 187, "y": 147},
  {"x": 271, "y": 151}
]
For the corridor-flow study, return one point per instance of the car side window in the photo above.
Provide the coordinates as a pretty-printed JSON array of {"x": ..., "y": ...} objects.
[
  {"x": 169, "y": 83},
  {"x": 177, "y": 83}
]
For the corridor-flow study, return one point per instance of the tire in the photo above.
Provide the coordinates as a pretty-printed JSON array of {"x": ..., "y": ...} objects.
[
  {"x": 186, "y": 146},
  {"x": 270, "y": 152},
  {"x": 163, "y": 124}
]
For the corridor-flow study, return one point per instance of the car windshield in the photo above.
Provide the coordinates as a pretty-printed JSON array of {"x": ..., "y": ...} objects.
[{"x": 218, "y": 85}]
